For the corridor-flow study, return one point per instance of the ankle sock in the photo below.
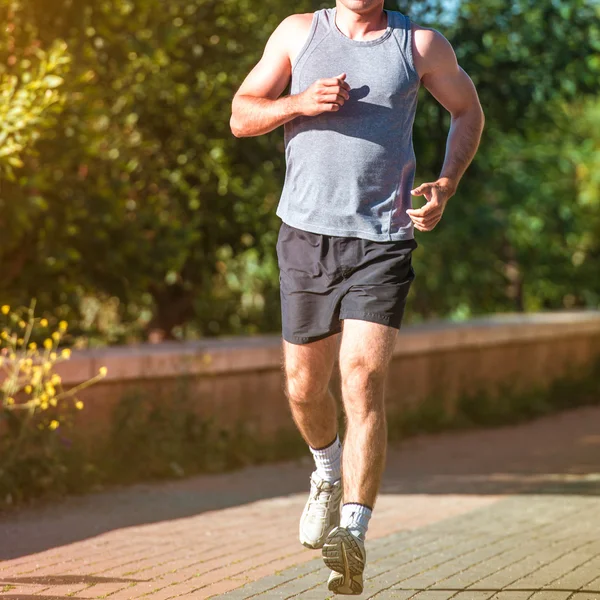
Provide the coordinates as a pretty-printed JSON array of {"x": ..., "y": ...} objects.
[
  {"x": 328, "y": 461},
  {"x": 355, "y": 518}
]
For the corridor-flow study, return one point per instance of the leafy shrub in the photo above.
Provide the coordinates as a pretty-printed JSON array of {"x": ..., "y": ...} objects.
[{"x": 35, "y": 408}]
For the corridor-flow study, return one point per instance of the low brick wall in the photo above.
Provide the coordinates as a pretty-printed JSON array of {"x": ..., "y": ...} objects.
[{"x": 239, "y": 380}]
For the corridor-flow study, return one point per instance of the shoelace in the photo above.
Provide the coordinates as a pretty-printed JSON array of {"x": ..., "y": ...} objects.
[{"x": 319, "y": 499}]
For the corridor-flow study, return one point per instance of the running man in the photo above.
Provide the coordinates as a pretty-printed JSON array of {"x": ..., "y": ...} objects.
[{"x": 346, "y": 240}]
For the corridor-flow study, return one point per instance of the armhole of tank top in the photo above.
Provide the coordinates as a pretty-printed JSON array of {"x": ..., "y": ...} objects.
[
  {"x": 311, "y": 35},
  {"x": 409, "y": 45},
  {"x": 407, "y": 42}
]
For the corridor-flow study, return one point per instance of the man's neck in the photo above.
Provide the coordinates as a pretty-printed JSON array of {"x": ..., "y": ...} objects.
[{"x": 361, "y": 26}]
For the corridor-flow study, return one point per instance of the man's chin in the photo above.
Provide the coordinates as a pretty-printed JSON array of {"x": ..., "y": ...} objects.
[{"x": 362, "y": 6}]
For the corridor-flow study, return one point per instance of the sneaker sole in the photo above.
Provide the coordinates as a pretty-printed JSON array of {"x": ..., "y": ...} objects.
[
  {"x": 342, "y": 554},
  {"x": 311, "y": 546}
]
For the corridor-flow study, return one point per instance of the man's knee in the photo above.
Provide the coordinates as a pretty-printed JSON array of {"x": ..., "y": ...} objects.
[
  {"x": 303, "y": 386},
  {"x": 362, "y": 384}
]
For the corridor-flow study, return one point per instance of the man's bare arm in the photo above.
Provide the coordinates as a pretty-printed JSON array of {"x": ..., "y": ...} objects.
[
  {"x": 453, "y": 89},
  {"x": 257, "y": 106}
]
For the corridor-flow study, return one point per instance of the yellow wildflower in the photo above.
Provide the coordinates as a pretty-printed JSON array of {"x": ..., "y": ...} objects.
[
  {"x": 48, "y": 344},
  {"x": 32, "y": 346},
  {"x": 36, "y": 377},
  {"x": 102, "y": 371},
  {"x": 44, "y": 397},
  {"x": 62, "y": 326},
  {"x": 20, "y": 341},
  {"x": 44, "y": 405},
  {"x": 50, "y": 390},
  {"x": 44, "y": 322},
  {"x": 52, "y": 356},
  {"x": 28, "y": 389},
  {"x": 56, "y": 379},
  {"x": 56, "y": 336},
  {"x": 53, "y": 401},
  {"x": 4, "y": 335},
  {"x": 53, "y": 424},
  {"x": 10, "y": 401},
  {"x": 66, "y": 353},
  {"x": 22, "y": 324},
  {"x": 5, "y": 309},
  {"x": 47, "y": 367},
  {"x": 79, "y": 405}
]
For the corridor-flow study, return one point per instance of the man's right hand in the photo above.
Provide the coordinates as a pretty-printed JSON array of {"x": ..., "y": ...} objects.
[
  {"x": 324, "y": 95},
  {"x": 258, "y": 106}
]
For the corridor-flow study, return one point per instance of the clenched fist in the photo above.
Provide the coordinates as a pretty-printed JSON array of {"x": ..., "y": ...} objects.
[{"x": 324, "y": 95}]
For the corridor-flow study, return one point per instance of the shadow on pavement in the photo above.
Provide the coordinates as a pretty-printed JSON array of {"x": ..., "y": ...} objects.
[
  {"x": 30, "y": 597},
  {"x": 475, "y": 589},
  {"x": 559, "y": 454},
  {"x": 64, "y": 580}
]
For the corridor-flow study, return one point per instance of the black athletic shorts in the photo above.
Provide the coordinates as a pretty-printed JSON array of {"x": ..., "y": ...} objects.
[{"x": 325, "y": 279}]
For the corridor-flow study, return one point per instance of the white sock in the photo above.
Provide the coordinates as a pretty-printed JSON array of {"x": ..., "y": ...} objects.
[
  {"x": 355, "y": 518},
  {"x": 328, "y": 461}
]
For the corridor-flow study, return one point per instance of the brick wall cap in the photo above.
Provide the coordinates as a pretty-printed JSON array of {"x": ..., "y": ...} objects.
[{"x": 254, "y": 353}]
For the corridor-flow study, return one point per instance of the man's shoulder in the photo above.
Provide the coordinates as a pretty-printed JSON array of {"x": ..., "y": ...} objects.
[
  {"x": 431, "y": 50},
  {"x": 428, "y": 39},
  {"x": 296, "y": 22},
  {"x": 292, "y": 33}
]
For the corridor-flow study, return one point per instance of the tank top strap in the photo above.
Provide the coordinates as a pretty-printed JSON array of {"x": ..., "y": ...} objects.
[
  {"x": 326, "y": 19},
  {"x": 319, "y": 29},
  {"x": 402, "y": 32}
]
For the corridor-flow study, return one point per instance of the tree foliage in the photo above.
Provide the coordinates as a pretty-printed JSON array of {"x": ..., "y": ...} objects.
[
  {"x": 122, "y": 182},
  {"x": 517, "y": 236}
]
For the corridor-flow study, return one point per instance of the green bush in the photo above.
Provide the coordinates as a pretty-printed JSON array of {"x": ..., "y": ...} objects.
[
  {"x": 35, "y": 409},
  {"x": 135, "y": 209}
]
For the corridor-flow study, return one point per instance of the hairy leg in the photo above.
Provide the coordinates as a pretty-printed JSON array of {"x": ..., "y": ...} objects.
[
  {"x": 308, "y": 369},
  {"x": 365, "y": 353}
]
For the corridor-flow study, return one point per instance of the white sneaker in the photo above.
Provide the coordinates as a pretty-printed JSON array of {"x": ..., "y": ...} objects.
[
  {"x": 345, "y": 555},
  {"x": 321, "y": 513}
]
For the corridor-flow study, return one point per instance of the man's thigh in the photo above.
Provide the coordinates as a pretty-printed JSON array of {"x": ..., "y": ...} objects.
[
  {"x": 366, "y": 347},
  {"x": 310, "y": 365}
]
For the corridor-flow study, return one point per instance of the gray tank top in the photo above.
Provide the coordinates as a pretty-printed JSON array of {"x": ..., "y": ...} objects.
[{"x": 349, "y": 173}]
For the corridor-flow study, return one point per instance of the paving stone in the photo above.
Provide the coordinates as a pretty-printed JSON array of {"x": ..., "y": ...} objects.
[
  {"x": 434, "y": 595},
  {"x": 516, "y": 551},
  {"x": 564, "y": 564},
  {"x": 319, "y": 592},
  {"x": 513, "y": 554},
  {"x": 441, "y": 530},
  {"x": 579, "y": 577},
  {"x": 512, "y": 595},
  {"x": 592, "y": 586},
  {"x": 395, "y": 594},
  {"x": 506, "y": 576},
  {"x": 299, "y": 579}
]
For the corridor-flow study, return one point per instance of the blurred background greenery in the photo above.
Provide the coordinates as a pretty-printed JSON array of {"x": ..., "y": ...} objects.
[{"x": 129, "y": 209}]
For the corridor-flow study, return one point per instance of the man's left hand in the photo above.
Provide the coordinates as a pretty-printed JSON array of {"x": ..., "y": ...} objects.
[{"x": 437, "y": 194}]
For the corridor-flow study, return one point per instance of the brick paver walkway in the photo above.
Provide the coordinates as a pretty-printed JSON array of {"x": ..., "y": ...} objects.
[{"x": 504, "y": 514}]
